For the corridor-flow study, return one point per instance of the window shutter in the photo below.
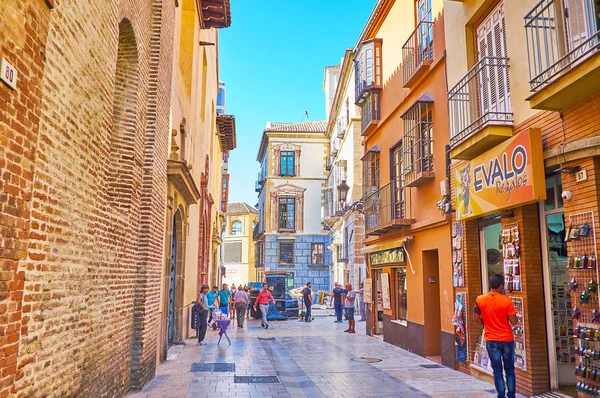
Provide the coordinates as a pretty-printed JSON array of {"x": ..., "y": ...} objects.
[{"x": 493, "y": 80}]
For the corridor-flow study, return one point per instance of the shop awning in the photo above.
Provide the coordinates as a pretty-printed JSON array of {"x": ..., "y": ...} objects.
[{"x": 383, "y": 246}]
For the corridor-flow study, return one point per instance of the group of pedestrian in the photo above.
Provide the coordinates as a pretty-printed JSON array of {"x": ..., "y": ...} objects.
[
  {"x": 234, "y": 302},
  {"x": 344, "y": 300}
]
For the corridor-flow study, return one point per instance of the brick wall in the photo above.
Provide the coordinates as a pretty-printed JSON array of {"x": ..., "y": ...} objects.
[
  {"x": 83, "y": 265},
  {"x": 23, "y": 32}
]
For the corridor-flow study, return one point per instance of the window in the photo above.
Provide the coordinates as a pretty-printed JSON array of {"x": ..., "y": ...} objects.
[
  {"x": 370, "y": 173},
  {"x": 345, "y": 244},
  {"x": 259, "y": 260},
  {"x": 317, "y": 253},
  {"x": 418, "y": 142},
  {"x": 286, "y": 253},
  {"x": 396, "y": 180},
  {"x": 232, "y": 252},
  {"x": 401, "y": 294},
  {"x": 554, "y": 199},
  {"x": 236, "y": 228},
  {"x": 491, "y": 42},
  {"x": 287, "y": 211},
  {"x": 288, "y": 163}
]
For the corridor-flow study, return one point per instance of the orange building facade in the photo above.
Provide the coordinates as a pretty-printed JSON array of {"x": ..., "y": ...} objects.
[
  {"x": 401, "y": 90},
  {"x": 524, "y": 110}
]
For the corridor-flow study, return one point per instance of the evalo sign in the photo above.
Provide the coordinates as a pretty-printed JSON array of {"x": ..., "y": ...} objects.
[{"x": 508, "y": 175}]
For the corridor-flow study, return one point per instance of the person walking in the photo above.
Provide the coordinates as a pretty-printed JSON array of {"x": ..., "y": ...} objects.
[
  {"x": 336, "y": 297},
  {"x": 349, "y": 296},
  {"x": 497, "y": 314},
  {"x": 263, "y": 300},
  {"x": 231, "y": 303},
  {"x": 201, "y": 308},
  {"x": 223, "y": 298},
  {"x": 362, "y": 305},
  {"x": 240, "y": 299},
  {"x": 211, "y": 296},
  {"x": 307, "y": 295},
  {"x": 247, "y": 290}
]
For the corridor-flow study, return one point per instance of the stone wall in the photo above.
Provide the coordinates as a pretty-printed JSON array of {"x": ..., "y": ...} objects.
[
  {"x": 83, "y": 154},
  {"x": 303, "y": 270}
]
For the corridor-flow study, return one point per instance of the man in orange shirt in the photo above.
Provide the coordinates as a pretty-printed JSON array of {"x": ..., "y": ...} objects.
[{"x": 497, "y": 313}]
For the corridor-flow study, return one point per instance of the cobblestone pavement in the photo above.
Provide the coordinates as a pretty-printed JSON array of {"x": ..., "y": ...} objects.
[{"x": 309, "y": 359}]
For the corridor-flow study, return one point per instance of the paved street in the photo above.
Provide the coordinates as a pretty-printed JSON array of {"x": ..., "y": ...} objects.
[{"x": 309, "y": 359}]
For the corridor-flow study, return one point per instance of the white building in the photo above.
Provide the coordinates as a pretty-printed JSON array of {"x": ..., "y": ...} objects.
[
  {"x": 345, "y": 225},
  {"x": 289, "y": 235}
]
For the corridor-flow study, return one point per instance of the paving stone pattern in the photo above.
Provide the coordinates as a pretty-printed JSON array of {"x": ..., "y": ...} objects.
[{"x": 310, "y": 360}]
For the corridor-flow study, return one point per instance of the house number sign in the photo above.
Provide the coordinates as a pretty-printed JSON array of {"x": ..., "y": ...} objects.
[{"x": 8, "y": 74}]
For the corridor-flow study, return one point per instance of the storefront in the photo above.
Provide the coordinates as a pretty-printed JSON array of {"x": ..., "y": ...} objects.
[{"x": 498, "y": 229}]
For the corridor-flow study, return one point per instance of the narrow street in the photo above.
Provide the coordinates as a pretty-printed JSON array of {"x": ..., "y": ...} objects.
[{"x": 309, "y": 359}]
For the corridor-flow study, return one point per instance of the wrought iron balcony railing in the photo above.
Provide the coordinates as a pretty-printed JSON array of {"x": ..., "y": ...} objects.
[
  {"x": 386, "y": 209},
  {"x": 560, "y": 33},
  {"x": 480, "y": 98},
  {"x": 417, "y": 51}
]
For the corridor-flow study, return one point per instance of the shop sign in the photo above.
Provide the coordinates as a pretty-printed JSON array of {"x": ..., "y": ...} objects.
[
  {"x": 391, "y": 256},
  {"x": 508, "y": 175},
  {"x": 368, "y": 290},
  {"x": 385, "y": 290}
]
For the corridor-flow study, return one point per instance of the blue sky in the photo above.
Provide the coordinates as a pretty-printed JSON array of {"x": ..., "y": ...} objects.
[{"x": 272, "y": 60}]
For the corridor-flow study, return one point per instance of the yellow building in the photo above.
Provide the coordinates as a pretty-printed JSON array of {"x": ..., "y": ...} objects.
[
  {"x": 238, "y": 249},
  {"x": 199, "y": 145}
]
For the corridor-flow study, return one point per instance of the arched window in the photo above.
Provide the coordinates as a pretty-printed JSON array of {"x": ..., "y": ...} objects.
[{"x": 236, "y": 228}]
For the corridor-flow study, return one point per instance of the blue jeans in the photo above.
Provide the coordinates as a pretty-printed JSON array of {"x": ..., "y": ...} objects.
[
  {"x": 503, "y": 352},
  {"x": 308, "y": 314},
  {"x": 338, "y": 310}
]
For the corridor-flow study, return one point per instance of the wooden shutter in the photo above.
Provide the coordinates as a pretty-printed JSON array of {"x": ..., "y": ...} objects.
[{"x": 493, "y": 80}]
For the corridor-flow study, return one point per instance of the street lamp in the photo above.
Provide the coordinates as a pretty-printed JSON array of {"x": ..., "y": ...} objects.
[{"x": 343, "y": 189}]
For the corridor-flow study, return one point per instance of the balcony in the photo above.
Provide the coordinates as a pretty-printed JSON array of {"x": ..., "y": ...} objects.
[
  {"x": 340, "y": 127},
  {"x": 367, "y": 69},
  {"x": 479, "y": 109},
  {"x": 385, "y": 209},
  {"x": 335, "y": 146},
  {"x": 370, "y": 113},
  {"x": 259, "y": 183},
  {"x": 563, "y": 46},
  {"x": 418, "y": 143},
  {"x": 417, "y": 53},
  {"x": 257, "y": 231}
]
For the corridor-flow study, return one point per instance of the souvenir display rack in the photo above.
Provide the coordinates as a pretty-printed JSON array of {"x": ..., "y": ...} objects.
[
  {"x": 458, "y": 275},
  {"x": 563, "y": 323},
  {"x": 519, "y": 334},
  {"x": 459, "y": 320},
  {"x": 510, "y": 242},
  {"x": 582, "y": 262}
]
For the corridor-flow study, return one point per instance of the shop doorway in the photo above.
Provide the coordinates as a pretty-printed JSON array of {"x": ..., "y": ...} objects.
[
  {"x": 559, "y": 325},
  {"x": 431, "y": 295},
  {"x": 491, "y": 256},
  {"x": 378, "y": 304}
]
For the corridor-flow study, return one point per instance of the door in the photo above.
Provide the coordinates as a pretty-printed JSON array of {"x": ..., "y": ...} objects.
[
  {"x": 493, "y": 82},
  {"x": 172, "y": 285},
  {"x": 431, "y": 295},
  {"x": 424, "y": 14},
  {"x": 491, "y": 255},
  {"x": 559, "y": 324},
  {"x": 378, "y": 303}
]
